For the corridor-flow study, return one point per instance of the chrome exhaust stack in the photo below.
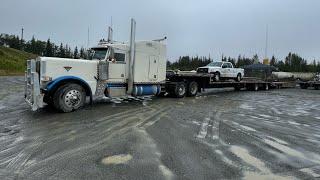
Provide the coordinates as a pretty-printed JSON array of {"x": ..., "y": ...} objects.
[{"x": 132, "y": 56}]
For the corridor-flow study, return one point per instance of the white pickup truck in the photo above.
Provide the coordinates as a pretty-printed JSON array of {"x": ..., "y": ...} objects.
[{"x": 222, "y": 70}]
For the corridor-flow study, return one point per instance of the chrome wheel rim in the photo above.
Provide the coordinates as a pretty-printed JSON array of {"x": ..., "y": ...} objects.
[
  {"x": 193, "y": 89},
  {"x": 181, "y": 90},
  {"x": 72, "y": 98}
]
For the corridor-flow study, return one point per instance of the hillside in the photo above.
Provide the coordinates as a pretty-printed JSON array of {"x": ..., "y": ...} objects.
[{"x": 12, "y": 61}]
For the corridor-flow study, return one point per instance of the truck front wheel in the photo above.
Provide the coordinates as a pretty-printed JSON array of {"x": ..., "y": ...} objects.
[{"x": 69, "y": 97}]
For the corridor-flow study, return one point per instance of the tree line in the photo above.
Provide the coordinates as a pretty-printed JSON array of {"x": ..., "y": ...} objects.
[
  {"x": 43, "y": 48},
  {"x": 291, "y": 63}
]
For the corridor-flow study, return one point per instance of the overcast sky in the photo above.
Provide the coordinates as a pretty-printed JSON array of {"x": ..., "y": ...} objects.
[{"x": 193, "y": 27}]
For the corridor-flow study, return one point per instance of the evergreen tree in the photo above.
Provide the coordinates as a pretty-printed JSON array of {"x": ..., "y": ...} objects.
[
  {"x": 49, "y": 49},
  {"x": 273, "y": 61},
  {"x": 75, "y": 53}
]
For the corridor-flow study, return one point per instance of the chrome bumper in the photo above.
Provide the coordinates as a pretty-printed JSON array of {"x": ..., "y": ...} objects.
[{"x": 32, "y": 94}]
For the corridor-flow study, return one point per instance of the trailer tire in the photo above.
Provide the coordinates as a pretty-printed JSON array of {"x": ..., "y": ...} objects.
[
  {"x": 180, "y": 90},
  {"x": 266, "y": 87},
  {"x": 192, "y": 89},
  {"x": 239, "y": 78},
  {"x": 69, "y": 97}
]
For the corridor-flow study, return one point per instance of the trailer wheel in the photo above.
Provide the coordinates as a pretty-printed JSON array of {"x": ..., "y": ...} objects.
[
  {"x": 69, "y": 97},
  {"x": 217, "y": 76},
  {"x": 239, "y": 78},
  {"x": 192, "y": 89},
  {"x": 180, "y": 90},
  {"x": 256, "y": 87},
  {"x": 266, "y": 87}
]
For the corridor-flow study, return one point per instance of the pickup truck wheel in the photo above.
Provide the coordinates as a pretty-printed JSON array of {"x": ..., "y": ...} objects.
[
  {"x": 192, "y": 89},
  {"x": 239, "y": 78},
  {"x": 217, "y": 76},
  {"x": 180, "y": 90},
  {"x": 69, "y": 97}
]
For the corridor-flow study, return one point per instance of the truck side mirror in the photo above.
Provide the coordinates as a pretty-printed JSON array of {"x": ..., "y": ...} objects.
[{"x": 111, "y": 54}]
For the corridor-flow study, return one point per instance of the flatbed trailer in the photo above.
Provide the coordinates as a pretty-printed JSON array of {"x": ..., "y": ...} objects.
[
  {"x": 180, "y": 84},
  {"x": 314, "y": 84}
]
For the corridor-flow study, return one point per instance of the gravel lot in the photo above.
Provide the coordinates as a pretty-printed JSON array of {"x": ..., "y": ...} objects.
[{"x": 220, "y": 134}]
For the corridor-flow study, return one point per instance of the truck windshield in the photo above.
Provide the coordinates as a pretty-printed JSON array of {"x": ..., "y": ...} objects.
[
  {"x": 215, "y": 64},
  {"x": 99, "y": 53}
]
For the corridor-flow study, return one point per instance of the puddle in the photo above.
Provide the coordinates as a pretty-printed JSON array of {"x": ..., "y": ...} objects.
[{"x": 117, "y": 159}]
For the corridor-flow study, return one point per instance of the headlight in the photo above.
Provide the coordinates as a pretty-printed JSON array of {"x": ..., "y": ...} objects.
[{"x": 46, "y": 78}]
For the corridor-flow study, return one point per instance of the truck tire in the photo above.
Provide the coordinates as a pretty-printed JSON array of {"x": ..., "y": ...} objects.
[
  {"x": 266, "y": 87},
  {"x": 180, "y": 90},
  {"x": 217, "y": 76},
  {"x": 239, "y": 78},
  {"x": 192, "y": 89},
  {"x": 69, "y": 97}
]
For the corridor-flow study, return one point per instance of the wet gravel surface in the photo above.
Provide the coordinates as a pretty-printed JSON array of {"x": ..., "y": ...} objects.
[{"x": 220, "y": 134}]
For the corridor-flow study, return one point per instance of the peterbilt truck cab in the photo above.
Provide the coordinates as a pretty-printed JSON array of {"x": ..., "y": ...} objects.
[{"x": 115, "y": 69}]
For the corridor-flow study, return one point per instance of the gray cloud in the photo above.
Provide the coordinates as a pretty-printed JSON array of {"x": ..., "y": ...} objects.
[{"x": 228, "y": 27}]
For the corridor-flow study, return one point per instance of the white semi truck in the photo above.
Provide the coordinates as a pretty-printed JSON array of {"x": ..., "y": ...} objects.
[{"x": 117, "y": 69}]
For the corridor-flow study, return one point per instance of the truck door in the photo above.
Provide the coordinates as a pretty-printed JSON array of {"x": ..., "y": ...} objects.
[
  {"x": 224, "y": 70},
  {"x": 229, "y": 70},
  {"x": 117, "y": 67},
  {"x": 153, "y": 68}
]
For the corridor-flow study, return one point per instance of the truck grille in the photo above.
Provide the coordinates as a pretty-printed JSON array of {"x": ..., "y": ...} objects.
[
  {"x": 32, "y": 85},
  {"x": 202, "y": 70}
]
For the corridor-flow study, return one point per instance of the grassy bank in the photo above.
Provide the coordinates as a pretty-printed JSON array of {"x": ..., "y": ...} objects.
[{"x": 12, "y": 61}]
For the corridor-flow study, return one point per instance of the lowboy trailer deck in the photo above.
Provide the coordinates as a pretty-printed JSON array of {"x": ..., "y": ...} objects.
[{"x": 180, "y": 84}]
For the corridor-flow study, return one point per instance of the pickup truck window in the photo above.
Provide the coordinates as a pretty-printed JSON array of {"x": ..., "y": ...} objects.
[{"x": 215, "y": 64}]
